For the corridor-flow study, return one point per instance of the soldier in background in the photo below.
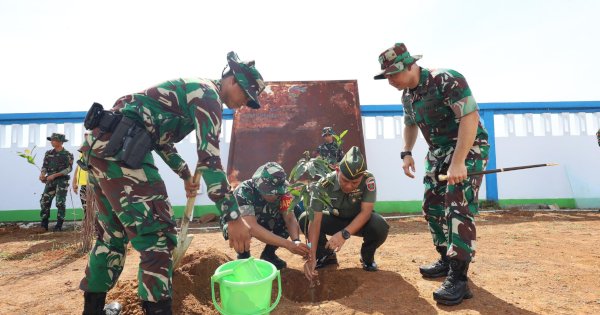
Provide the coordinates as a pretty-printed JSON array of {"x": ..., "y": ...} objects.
[
  {"x": 440, "y": 103},
  {"x": 264, "y": 202},
  {"x": 353, "y": 192},
  {"x": 56, "y": 167},
  {"x": 80, "y": 182},
  {"x": 329, "y": 150}
]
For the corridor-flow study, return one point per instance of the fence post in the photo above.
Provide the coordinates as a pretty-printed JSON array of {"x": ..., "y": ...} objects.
[{"x": 491, "y": 180}]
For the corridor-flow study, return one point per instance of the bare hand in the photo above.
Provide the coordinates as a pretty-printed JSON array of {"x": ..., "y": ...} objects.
[
  {"x": 51, "y": 177},
  {"x": 42, "y": 178},
  {"x": 74, "y": 187},
  {"x": 408, "y": 165},
  {"x": 336, "y": 242},
  {"x": 191, "y": 188},
  {"x": 309, "y": 270},
  {"x": 239, "y": 235},
  {"x": 299, "y": 249},
  {"x": 457, "y": 173}
]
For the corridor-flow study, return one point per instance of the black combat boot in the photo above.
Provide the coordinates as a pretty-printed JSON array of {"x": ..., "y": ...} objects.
[
  {"x": 93, "y": 304},
  {"x": 268, "y": 254},
  {"x": 244, "y": 255},
  {"x": 45, "y": 224},
  {"x": 456, "y": 287},
  {"x": 163, "y": 307},
  {"x": 58, "y": 226},
  {"x": 439, "y": 268},
  {"x": 325, "y": 257}
]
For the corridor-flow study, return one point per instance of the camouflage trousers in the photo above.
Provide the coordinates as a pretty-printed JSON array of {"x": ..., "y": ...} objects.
[
  {"x": 271, "y": 221},
  {"x": 132, "y": 205},
  {"x": 450, "y": 209},
  {"x": 56, "y": 188}
]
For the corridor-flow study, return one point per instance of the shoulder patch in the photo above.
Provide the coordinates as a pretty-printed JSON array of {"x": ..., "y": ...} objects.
[{"x": 370, "y": 184}]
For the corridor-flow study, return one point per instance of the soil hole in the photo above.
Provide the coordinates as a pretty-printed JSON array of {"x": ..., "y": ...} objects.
[{"x": 334, "y": 284}]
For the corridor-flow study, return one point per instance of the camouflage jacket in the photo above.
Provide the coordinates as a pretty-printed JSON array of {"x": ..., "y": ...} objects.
[
  {"x": 58, "y": 162},
  {"x": 344, "y": 205},
  {"x": 251, "y": 202},
  {"x": 172, "y": 110},
  {"x": 330, "y": 152},
  {"x": 436, "y": 105}
]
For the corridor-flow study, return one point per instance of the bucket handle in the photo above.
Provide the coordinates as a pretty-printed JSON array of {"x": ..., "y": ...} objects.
[
  {"x": 215, "y": 278},
  {"x": 228, "y": 272}
]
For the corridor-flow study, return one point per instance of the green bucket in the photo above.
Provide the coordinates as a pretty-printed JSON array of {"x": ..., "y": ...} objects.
[{"x": 245, "y": 286}]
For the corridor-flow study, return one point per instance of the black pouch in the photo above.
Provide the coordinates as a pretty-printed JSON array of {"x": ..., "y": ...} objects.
[
  {"x": 124, "y": 129},
  {"x": 136, "y": 147},
  {"x": 93, "y": 116},
  {"x": 83, "y": 165}
]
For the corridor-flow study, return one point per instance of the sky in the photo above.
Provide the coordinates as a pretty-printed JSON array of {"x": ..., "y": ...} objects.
[{"x": 64, "y": 55}]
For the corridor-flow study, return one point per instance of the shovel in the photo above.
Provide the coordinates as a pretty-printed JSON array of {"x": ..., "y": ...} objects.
[{"x": 184, "y": 240}]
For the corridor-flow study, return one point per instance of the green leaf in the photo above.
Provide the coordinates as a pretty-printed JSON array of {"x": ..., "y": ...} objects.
[{"x": 294, "y": 203}]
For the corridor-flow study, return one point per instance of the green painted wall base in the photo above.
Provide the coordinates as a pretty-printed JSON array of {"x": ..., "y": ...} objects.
[{"x": 412, "y": 206}]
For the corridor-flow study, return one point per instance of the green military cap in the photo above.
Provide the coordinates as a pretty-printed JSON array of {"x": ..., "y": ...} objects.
[
  {"x": 270, "y": 179},
  {"x": 247, "y": 77},
  {"x": 394, "y": 60},
  {"x": 327, "y": 131},
  {"x": 57, "y": 136},
  {"x": 353, "y": 164}
]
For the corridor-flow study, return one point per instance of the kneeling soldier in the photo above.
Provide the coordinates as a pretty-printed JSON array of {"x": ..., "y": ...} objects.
[
  {"x": 263, "y": 204},
  {"x": 352, "y": 191}
]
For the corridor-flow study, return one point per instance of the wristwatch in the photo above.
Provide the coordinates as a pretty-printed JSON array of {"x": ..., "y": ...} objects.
[
  {"x": 345, "y": 234},
  {"x": 232, "y": 215},
  {"x": 405, "y": 153}
]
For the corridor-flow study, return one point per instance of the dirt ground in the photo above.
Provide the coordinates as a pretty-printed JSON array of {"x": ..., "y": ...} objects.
[{"x": 526, "y": 263}]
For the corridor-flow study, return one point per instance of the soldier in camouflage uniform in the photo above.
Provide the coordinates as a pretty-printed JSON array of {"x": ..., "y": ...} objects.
[
  {"x": 352, "y": 191},
  {"x": 132, "y": 204},
  {"x": 329, "y": 150},
  {"x": 57, "y": 165},
  {"x": 441, "y": 105},
  {"x": 263, "y": 202}
]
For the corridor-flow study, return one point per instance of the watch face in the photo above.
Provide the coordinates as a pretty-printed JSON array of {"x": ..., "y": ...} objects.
[
  {"x": 345, "y": 234},
  {"x": 233, "y": 215}
]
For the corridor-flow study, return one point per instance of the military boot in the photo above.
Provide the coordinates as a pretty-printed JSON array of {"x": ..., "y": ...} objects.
[
  {"x": 58, "y": 226},
  {"x": 163, "y": 307},
  {"x": 456, "y": 287},
  {"x": 325, "y": 257},
  {"x": 93, "y": 304},
  {"x": 439, "y": 268},
  {"x": 268, "y": 254},
  {"x": 45, "y": 224},
  {"x": 243, "y": 255}
]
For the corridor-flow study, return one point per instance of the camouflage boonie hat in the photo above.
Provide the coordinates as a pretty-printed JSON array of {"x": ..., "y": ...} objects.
[
  {"x": 247, "y": 77},
  {"x": 353, "y": 164},
  {"x": 327, "y": 131},
  {"x": 57, "y": 136},
  {"x": 395, "y": 60},
  {"x": 270, "y": 179}
]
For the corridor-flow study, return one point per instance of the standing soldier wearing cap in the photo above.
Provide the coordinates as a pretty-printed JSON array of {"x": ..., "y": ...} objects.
[
  {"x": 441, "y": 105},
  {"x": 263, "y": 202},
  {"x": 57, "y": 165},
  {"x": 352, "y": 191},
  {"x": 329, "y": 150},
  {"x": 131, "y": 196}
]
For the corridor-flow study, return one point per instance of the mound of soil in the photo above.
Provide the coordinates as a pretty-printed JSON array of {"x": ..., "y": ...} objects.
[
  {"x": 333, "y": 284},
  {"x": 191, "y": 286}
]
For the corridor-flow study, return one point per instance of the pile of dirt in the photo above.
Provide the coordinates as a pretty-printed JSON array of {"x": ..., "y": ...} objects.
[
  {"x": 332, "y": 284},
  {"x": 191, "y": 286}
]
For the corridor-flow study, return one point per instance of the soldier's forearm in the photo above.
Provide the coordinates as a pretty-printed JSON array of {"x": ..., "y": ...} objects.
[
  {"x": 467, "y": 131},
  {"x": 410, "y": 136},
  {"x": 361, "y": 219}
]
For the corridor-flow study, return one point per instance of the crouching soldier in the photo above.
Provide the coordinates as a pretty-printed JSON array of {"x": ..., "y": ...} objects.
[
  {"x": 263, "y": 204},
  {"x": 352, "y": 191}
]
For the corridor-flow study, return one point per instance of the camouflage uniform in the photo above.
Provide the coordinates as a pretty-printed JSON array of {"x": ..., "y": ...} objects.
[
  {"x": 346, "y": 206},
  {"x": 56, "y": 162},
  {"x": 132, "y": 203},
  {"x": 269, "y": 179},
  {"x": 436, "y": 106},
  {"x": 330, "y": 152}
]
